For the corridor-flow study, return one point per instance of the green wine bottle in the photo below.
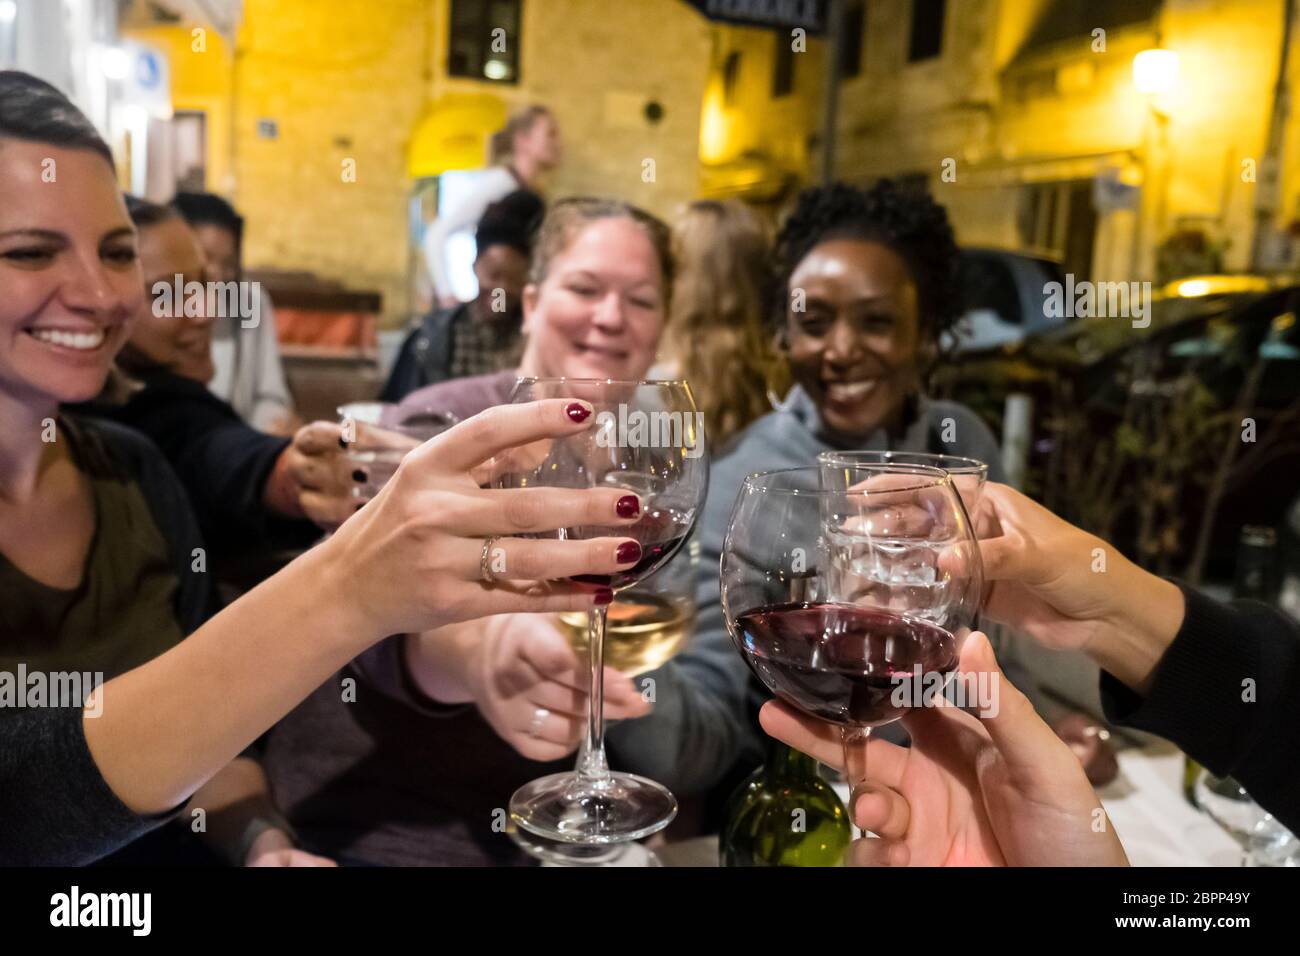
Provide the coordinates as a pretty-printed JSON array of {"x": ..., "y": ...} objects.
[{"x": 785, "y": 814}]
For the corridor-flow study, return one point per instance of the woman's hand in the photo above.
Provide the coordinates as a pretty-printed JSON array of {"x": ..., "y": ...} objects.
[
  {"x": 995, "y": 790},
  {"x": 1070, "y": 590},
  {"x": 531, "y": 686},
  {"x": 412, "y": 558}
]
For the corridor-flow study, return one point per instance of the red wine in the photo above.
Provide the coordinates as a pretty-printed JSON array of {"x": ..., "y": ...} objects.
[
  {"x": 659, "y": 532},
  {"x": 842, "y": 662}
]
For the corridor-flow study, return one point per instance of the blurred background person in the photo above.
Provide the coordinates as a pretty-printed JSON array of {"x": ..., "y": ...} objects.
[
  {"x": 481, "y": 336},
  {"x": 247, "y": 371},
  {"x": 717, "y": 337},
  {"x": 519, "y": 155},
  {"x": 253, "y": 492}
]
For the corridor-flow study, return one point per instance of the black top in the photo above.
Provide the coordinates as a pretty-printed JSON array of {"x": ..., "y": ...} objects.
[
  {"x": 1228, "y": 692},
  {"x": 55, "y": 808},
  {"x": 222, "y": 462},
  {"x": 425, "y": 355}
]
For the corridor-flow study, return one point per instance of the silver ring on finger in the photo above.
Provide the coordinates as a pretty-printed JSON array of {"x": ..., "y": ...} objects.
[
  {"x": 485, "y": 563},
  {"x": 539, "y": 718}
]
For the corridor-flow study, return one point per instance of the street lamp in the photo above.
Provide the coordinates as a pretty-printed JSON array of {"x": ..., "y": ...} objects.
[{"x": 1155, "y": 71}]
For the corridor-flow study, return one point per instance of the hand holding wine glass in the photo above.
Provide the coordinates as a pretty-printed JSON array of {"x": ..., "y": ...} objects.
[
  {"x": 996, "y": 790},
  {"x": 648, "y": 445},
  {"x": 849, "y": 590}
]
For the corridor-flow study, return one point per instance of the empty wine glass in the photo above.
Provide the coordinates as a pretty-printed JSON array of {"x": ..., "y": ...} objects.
[
  {"x": 648, "y": 439},
  {"x": 851, "y": 603}
]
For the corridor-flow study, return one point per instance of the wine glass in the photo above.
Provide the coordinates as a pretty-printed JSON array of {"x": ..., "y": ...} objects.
[
  {"x": 968, "y": 474},
  {"x": 648, "y": 439},
  {"x": 851, "y": 603},
  {"x": 649, "y": 623},
  {"x": 378, "y": 436}
]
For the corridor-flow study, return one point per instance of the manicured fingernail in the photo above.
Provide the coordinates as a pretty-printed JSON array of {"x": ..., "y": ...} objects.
[
  {"x": 604, "y": 596},
  {"x": 629, "y": 506},
  {"x": 628, "y": 552},
  {"x": 343, "y": 443},
  {"x": 358, "y": 475},
  {"x": 577, "y": 412}
]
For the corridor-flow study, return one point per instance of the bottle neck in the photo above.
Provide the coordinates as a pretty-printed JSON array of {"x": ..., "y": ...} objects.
[{"x": 786, "y": 763}]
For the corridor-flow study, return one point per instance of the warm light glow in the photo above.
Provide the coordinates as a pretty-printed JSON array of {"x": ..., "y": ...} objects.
[
  {"x": 1155, "y": 71},
  {"x": 496, "y": 69},
  {"x": 1193, "y": 287}
]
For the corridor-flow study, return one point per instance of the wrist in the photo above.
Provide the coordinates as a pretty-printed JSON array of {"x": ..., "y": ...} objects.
[
  {"x": 337, "y": 598},
  {"x": 1144, "y": 617}
]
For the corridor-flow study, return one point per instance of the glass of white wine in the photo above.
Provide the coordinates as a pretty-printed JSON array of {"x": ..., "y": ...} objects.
[{"x": 650, "y": 622}]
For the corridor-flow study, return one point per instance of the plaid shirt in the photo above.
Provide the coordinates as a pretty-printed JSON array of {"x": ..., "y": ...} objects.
[{"x": 481, "y": 347}]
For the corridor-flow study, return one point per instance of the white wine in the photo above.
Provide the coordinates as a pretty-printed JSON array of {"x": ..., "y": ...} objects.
[{"x": 643, "y": 631}]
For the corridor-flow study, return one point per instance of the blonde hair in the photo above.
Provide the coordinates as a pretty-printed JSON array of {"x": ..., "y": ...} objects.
[
  {"x": 716, "y": 329},
  {"x": 568, "y": 217},
  {"x": 501, "y": 145}
]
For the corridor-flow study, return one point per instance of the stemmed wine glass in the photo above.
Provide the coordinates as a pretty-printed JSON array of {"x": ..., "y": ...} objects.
[
  {"x": 850, "y": 602},
  {"x": 648, "y": 439}
]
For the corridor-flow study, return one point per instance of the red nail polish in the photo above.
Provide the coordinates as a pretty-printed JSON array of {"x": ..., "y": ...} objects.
[
  {"x": 577, "y": 412},
  {"x": 604, "y": 596},
  {"x": 628, "y": 552},
  {"x": 628, "y": 506}
]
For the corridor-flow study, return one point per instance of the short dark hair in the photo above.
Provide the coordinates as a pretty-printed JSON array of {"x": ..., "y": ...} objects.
[
  {"x": 511, "y": 221},
  {"x": 34, "y": 111},
  {"x": 910, "y": 223},
  {"x": 145, "y": 213},
  {"x": 209, "y": 209}
]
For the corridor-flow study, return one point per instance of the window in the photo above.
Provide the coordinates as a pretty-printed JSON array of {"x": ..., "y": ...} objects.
[
  {"x": 730, "y": 76},
  {"x": 783, "y": 65},
  {"x": 484, "y": 40},
  {"x": 927, "y": 30},
  {"x": 851, "y": 40}
]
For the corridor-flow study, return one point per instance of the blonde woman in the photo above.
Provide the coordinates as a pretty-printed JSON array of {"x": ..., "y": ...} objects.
[{"x": 716, "y": 336}]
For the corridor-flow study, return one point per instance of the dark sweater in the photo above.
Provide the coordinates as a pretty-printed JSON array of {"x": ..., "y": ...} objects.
[
  {"x": 222, "y": 462},
  {"x": 1227, "y": 691},
  {"x": 55, "y": 808}
]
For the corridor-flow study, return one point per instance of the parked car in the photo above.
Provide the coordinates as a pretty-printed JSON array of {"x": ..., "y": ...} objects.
[
  {"x": 1165, "y": 439},
  {"x": 1002, "y": 296}
]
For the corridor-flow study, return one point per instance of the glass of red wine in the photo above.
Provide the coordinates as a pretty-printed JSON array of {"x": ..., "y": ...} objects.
[
  {"x": 850, "y": 596},
  {"x": 648, "y": 439}
]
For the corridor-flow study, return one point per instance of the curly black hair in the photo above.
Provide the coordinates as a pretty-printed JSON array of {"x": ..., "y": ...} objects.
[{"x": 910, "y": 223}]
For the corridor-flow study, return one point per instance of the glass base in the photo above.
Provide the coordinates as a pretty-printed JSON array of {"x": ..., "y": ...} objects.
[
  {"x": 620, "y": 808},
  {"x": 554, "y": 853}
]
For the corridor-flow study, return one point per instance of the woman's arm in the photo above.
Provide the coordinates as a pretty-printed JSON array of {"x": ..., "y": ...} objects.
[{"x": 408, "y": 561}]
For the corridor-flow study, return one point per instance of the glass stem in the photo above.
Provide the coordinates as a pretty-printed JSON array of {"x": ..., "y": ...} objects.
[
  {"x": 592, "y": 766},
  {"x": 854, "y": 740}
]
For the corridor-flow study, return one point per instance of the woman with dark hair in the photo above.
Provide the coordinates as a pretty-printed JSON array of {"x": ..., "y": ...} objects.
[
  {"x": 97, "y": 540},
  {"x": 247, "y": 371},
  {"x": 482, "y": 336},
  {"x": 519, "y": 155}
]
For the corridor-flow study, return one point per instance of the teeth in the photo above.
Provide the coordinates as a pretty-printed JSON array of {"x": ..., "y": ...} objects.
[
  {"x": 849, "y": 391},
  {"x": 81, "y": 341}
]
